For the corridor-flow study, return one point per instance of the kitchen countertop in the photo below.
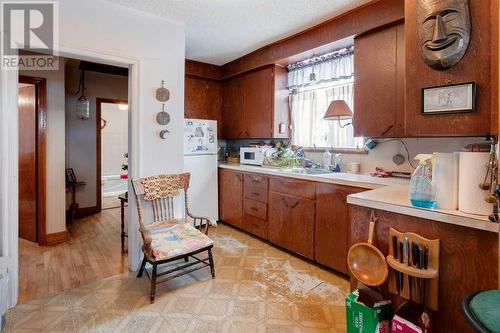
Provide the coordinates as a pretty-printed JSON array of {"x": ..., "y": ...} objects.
[
  {"x": 389, "y": 194},
  {"x": 348, "y": 179}
]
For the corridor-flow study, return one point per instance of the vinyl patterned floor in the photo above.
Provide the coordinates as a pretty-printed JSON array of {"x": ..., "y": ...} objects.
[{"x": 258, "y": 288}]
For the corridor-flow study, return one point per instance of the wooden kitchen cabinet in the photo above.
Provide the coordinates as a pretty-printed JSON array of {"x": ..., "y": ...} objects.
[
  {"x": 231, "y": 197},
  {"x": 332, "y": 225},
  {"x": 291, "y": 223},
  {"x": 255, "y": 104},
  {"x": 232, "y": 108},
  {"x": 379, "y": 102}
]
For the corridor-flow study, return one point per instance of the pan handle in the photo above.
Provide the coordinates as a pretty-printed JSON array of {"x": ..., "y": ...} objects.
[{"x": 373, "y": 219}]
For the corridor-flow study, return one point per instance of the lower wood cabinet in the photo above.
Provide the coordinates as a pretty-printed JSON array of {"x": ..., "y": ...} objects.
[
  {"x": 291, "y": 223},
  {"x": 230, "y": 197},
  {"x": 332, "y": 225},
  {"x": 308, "y": 218}
]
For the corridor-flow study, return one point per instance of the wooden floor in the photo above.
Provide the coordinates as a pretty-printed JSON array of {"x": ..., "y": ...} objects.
[{"x": 92, "y": 253}]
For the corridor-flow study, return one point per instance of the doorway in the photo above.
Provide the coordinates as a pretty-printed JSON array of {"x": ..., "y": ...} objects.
[
  {"x": 112, "y": 151},
  {"x": 32, "y": 96}
]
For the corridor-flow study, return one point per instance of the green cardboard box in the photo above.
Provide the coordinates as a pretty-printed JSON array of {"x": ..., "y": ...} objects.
[{"x": 367, "y": 312}]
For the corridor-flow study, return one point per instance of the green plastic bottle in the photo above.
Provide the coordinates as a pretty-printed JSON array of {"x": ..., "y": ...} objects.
[{"x": 422, "y": 191}]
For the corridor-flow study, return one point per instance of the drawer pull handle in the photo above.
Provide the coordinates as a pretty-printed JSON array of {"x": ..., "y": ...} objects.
[
  {"x": 254, "y": 209},
  {"x": 255, "y": 193}
]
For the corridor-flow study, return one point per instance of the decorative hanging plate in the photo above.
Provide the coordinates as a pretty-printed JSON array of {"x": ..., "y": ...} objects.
[
  {"x": 163, "y": 134},
  {"x": 162, "y": 117},
  {"x": 162, "y": 94}
]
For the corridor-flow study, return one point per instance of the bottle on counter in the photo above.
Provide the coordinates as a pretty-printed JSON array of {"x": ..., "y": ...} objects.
[
  {"x": 422, "y": 191},
  {"x": 327, "y": 159},
  {"x": 336, "y": 163}
]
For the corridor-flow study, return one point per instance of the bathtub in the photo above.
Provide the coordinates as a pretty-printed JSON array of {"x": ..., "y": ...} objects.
[{"x": 114, "y": 185}]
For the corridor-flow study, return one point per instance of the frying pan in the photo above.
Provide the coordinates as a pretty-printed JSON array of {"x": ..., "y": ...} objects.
[{"x": 366, "y": 263}]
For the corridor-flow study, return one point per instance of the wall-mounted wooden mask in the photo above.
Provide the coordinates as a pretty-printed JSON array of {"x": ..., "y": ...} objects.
[{"x": 444, "y": 28}]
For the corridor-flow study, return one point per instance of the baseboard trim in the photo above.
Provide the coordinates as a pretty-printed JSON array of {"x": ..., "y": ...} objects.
[
  {"x": 57, "y": 238},
  {"x": 86, "y": 211}
]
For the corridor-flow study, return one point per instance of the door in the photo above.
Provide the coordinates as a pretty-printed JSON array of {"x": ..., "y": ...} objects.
[
  {"x": 27, "y": 163},
  {"x": 231, "y": 197},
  {"x": 291, "y": 223},
  {"x": 332, "y": 225},
  {"x": 233, "y": 108}
]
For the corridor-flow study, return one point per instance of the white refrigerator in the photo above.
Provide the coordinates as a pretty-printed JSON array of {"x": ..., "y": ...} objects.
[{"x": 201, "y": 161}]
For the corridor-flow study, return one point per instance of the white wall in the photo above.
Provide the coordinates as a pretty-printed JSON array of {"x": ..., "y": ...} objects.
[
  {"x": 103, "y": 32},
  {"x": 382, "y": 155},
  {"x": 81, "y": 134},
  {"x": 55, "y": 191},
  {"x": 114, "y": 139}
]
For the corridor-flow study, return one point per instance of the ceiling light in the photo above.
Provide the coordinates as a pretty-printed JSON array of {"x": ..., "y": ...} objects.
[{"x": 123, "y": 107}]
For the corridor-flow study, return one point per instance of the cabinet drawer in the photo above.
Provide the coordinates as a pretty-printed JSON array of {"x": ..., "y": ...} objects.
[
  {"x": 255, "y": 180},
  {"x": 256, "y": 193},
  {"x": 255, "y": 226},
  {"x": 295, "y": 187},
  {"x": 255, "y": 208}
]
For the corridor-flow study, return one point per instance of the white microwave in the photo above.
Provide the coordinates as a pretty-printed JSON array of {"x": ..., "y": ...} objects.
[{"x": 251, "y": 155}]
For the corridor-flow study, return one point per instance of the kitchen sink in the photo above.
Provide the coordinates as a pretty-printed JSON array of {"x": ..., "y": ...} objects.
[{"x": 307, "y": 171}]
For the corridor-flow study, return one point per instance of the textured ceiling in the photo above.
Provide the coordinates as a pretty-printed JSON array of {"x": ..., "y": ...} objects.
[{"x": 219, "y": 31}]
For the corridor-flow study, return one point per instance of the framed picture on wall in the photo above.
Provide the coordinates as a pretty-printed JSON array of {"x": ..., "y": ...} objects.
[{"x": 452, "y": 98}]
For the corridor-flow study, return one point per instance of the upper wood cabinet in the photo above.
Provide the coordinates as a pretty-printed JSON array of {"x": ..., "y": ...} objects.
[
  {"x": 255, "y": 104},
  {"x": 231, "y": 197},
  {"x": 379, "y": 83},
  {"x": 203, "y": 99}
]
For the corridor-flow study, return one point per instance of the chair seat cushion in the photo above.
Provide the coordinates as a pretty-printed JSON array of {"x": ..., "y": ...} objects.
[
  {"x": 485, "y": 306},
  {"x": 177, "y": 240}
]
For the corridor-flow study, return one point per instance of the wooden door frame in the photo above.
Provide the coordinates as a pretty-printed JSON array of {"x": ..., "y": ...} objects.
[
  {"x": 98, "y": 173},
  {"x": 41, "y": 153}
]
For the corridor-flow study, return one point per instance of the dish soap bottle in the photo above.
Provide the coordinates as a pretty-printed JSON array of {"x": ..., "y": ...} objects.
[
  {"x": 327, "y": 159},
  {"x": 422, "y": 191}
]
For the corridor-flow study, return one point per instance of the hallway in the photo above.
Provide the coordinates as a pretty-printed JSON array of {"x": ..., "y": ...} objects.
[{"x": 93, "y": 252}]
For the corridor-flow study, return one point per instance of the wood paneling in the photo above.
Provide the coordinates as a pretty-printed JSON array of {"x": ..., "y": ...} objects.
[
  {"x": 202, "y": 70},
  {"x": 27, "y": 163},
  {"x": 352, "y": 23},
  {"x": 231, "y": 197},
  {"x": 379, "y": 83},
  {"x": 475, "y": 66},
  {"x": 300, "y": 188},
  {"x": 203, "y": 100},
  {"x": 468, "y": 259},
  {"x": 332, "y": 225},
  {"x": 291, "y": 223}
]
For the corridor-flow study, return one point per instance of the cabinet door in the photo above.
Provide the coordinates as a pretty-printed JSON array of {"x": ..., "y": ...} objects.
[
  {"x": 291, "y": 223},
  {"x": 259, "y": 103},
  {"x": 231, "y": 197},
  {"x": 203, "y": 100},
  {"x": 233, "y": 108},
  {"x": 332, "y": 225},
  {"x": 377, "y": 84}
]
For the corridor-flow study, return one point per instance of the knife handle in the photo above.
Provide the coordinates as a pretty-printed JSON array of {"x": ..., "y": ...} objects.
[{"x": 395, "y": 246}]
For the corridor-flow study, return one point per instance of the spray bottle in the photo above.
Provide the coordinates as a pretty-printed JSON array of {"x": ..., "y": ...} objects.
[{"x": 422, "y": 191}]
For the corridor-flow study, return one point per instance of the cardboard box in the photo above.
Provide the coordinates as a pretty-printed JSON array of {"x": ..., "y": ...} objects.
[{"x": 367, "y": 312}]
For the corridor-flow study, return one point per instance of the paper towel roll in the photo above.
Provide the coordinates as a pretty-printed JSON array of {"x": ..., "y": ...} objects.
[
  {"x": 445, "y": 178},
  {"x": 472, "y": 169}
]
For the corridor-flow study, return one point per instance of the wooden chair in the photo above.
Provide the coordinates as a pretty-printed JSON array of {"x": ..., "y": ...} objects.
[{"x": 167, "y": 239}]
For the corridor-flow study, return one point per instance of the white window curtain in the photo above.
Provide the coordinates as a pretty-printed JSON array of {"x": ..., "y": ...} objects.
[{"x": 309, "y": 100}]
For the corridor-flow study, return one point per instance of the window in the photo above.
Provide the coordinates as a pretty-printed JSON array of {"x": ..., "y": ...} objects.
[{"x": 313, "y": 85}]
